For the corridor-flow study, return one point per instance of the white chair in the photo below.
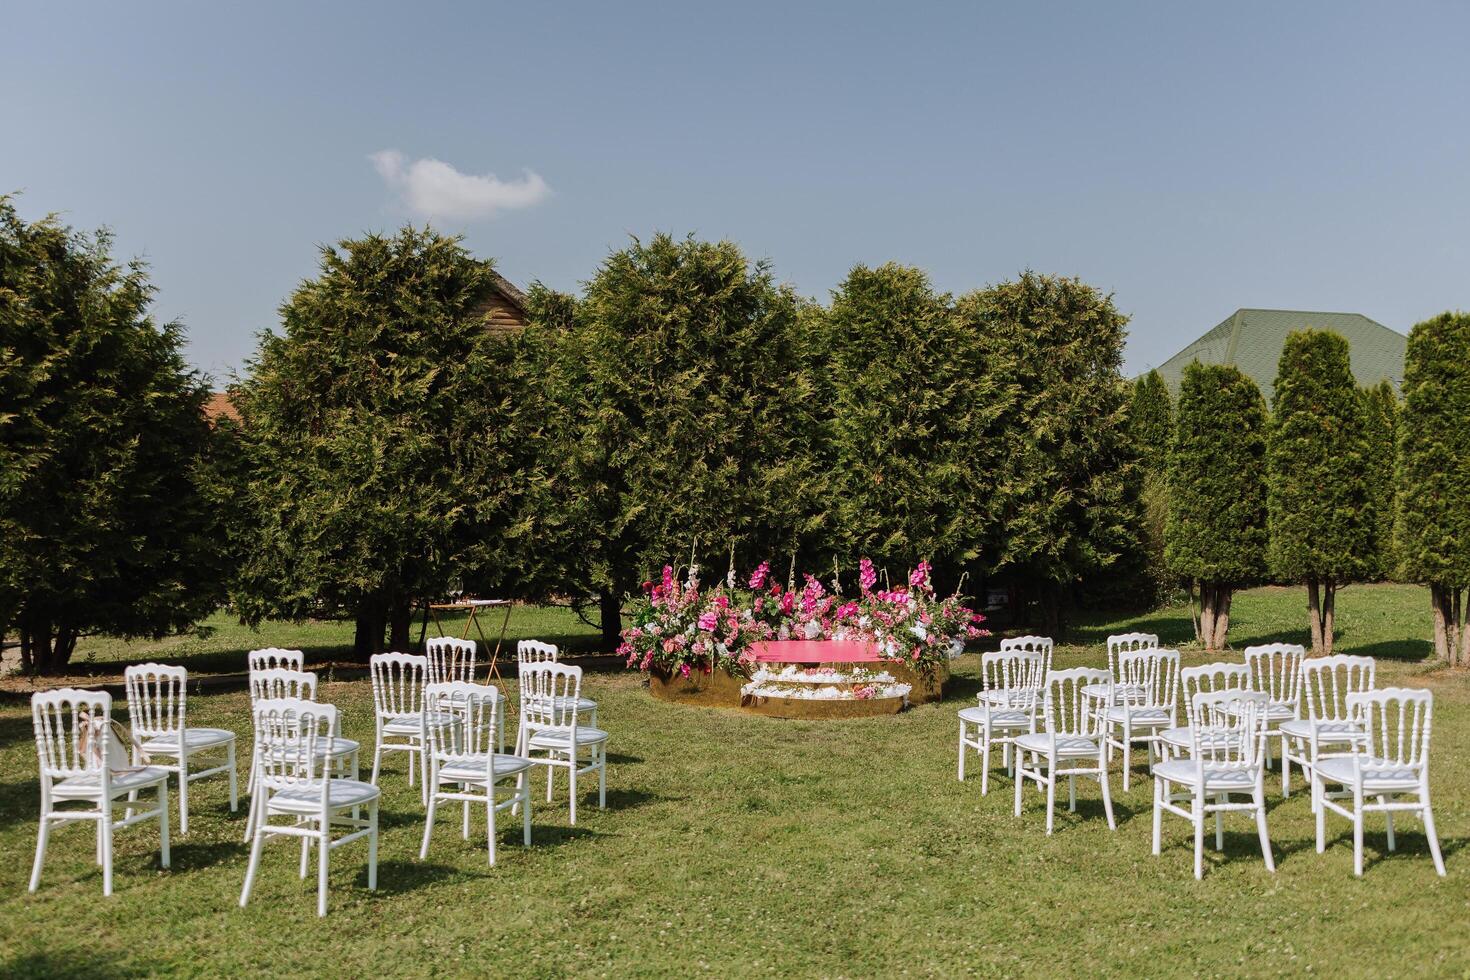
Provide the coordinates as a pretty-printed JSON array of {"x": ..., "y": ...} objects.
[
  {"x": 398, "y": 698},
  {"x": 1150, "y": 682},
  {"x": 294, "y": 784},
  {"x": 1391, "y": 761},
  {"x": 1276, "y": 671},
  {"x": 450, "y": 659},
  {"x": 461, "y": 723},
  {"x": 1071, "y": 735},
  {"x": 1329, "y": 728},
  {"x": 1219, "y": 676},
  {"x": 343, "y": 754},
  {"x": 81, "y": 762},
  {"x": 156, "y": 703},
  {"x": 1119, "y": 644},
  {"x": 549, "y": 726},
  {"x": 1006, "y": 707},
  {"x": 273, "y": 657},
  {"x": 1225, "y": 761},
  {"x": 531, "y": 652},
  {"x": 1041, "y": 645}
]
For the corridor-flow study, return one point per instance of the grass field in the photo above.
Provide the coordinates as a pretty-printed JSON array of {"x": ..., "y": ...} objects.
[{"x": 735, "y": 844}]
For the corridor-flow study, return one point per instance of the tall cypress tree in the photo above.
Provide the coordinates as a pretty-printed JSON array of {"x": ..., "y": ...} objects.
[
  {"x": 1318, "y": 498},
  {"x": 1216, "y": 528},
  {"x": 1151, "y": 421},
  {"x": 1380, "y": 416},
  {"x": 1432, "y": 530}
]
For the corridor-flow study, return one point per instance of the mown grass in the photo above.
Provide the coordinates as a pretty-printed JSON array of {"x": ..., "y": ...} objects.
[{"x": 738, "y": 845}]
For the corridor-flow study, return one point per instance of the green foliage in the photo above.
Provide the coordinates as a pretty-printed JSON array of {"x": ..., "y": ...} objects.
[
  {"x": 104, "y": 450},
  {"x": 911, "y": 408},
  {"x": 1432, "y": 532},
  {"x": 1380, "y": 418},
  {"x": 691, "y": 382},
  {"x": 1151, "y": 421},
  {"x": 1057, "y": 466},
  {"x": 1319, "y": 502},
  {"x": 1216, "y": 529},
  {"x": 391, "y": 439}
]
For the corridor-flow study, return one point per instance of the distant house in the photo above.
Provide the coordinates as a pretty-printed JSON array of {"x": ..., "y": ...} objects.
[
  {"x": 504, "y": 310},
  {"x": 1252, "y": 340}
]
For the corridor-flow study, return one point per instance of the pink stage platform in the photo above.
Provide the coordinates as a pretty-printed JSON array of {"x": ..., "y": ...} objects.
[{"x": 815, "y": 652}]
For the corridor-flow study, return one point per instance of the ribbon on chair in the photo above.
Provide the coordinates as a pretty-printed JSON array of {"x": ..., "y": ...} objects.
[{"x": 90, "y": 742}]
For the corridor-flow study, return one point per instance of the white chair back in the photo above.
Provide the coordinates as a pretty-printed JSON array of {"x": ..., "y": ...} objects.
[
  {"x": 1151, "y": 677},
  {"x": 1121, "y": 643},
  {"x": 272, "y": 657},
  {"x": 291, "y": 739},
  {"x": 1015, "y": 675},
  {"x": 461, "y": 720},
  {"x": 1231, "y": 733},
  {"x": 549, "y": 693},
  {"x": 1397, "y": 720},
  {"x": 1327, "y": 682},
  {"x": 1219, "y": 676},
  {"x": 536, "y": 652},
  {"x": 1031, "y": 644},
  {"x": 73, "y": 731},
  {"x": 155, "y": 699},
  {"x": 277, "y": 682},
  {"x": 1276, "y": 671},
  {"x": 1066, "y": 710},
  {"x": 451, "y": 659},
  {"x": 398, "y": 683}
]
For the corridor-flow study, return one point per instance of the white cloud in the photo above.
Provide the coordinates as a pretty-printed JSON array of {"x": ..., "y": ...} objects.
[{"x": 433, "y": 189}]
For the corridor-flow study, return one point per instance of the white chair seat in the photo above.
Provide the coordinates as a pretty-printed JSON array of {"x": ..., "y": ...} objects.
[
  {"x": 582, "y": 704},
  {"x": 404, "y": 725},
  {"x": 306, "y": 798},
  {"x": 1216, "y": 780},
  {"x": 87, "y": 785},
  {"x": 334, "y": 748},
  {"x": 1142, "y": 717},
  {"x": 1376, "y": 777},
  {"x": 1181, "y": 737},
  {"x": 559, "y": 739},
  {"x": 194, "y": 738},
  {"x": 1335, "y": 732},
  {"x": 471, "y": 769},
  {"x": 1005, "y": 718},
  {"x": 1119, "y": 690},
  {"x": 1068, "y": 746}
]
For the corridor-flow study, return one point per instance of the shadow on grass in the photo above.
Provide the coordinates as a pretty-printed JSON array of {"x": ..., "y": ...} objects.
[
  {"x": 1173, "y": 630},
  {"x": 67, "y": 963},
  {"x": 1405, "y": 650}
]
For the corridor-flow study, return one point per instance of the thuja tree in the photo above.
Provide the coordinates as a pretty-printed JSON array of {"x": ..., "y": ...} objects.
[
  {"x": 911, "y": 408},
  {"x": 1057, "y": 465},
  {"x": 104, "y": 451},
  {"x": 695, "y": 392},
  {"x": 1151, "y": 421},
  {"x": 1319, "y": 502},
  {"x": 1432, "y": 531},
  {"x": 1380, "y": 418},
  {"x": 1216, "y": 533},
  {"x": 389, "y": 439}
]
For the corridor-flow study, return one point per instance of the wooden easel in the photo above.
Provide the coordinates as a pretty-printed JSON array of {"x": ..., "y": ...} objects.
[{"x": 474, "y": 606}]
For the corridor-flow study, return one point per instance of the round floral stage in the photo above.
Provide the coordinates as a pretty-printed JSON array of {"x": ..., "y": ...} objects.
[{"x": 798, "y": 653}]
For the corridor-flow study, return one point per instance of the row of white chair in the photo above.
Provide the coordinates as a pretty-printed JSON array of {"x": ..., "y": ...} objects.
[{"x": 1072, "y": 721}]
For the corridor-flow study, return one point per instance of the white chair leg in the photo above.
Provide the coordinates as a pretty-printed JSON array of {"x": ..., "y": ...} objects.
[
  {"x": 1158, "y": 814},
  {"x": 985, "y": 737},
  {"x": 43, "y": 833},
  {"x": 1433, "y": 838},
  {"x": 1197, "y": 816},
  {"x": 1285, "y": 770},
  {"x": 165, "y": 853},
  {"x": 1320, "y": 790},
  {"x": 1260, "y": 801},
  {"x": 377, "y": 758},
  {"x": 1220, "y": 823},
  {"x": 183, "y": 791},
  {"x": 429, "y": 824},
  {"x": 523, "y": 790},
  {"x": 572, "y": 786},
  {"x": 1071, "y": 794},
  {"x": 106, "y": 826},
  {"x": 1392, "y": 845},
  {"x": 254, "y": 865},
  {"x": 489, "y": 819},
  {"x": 1051, "y": 793},
  {"x": 1358, "y": 831},
  {"x": 305, "y": 856},
  {"x": 960, "y": 768},
  {"x": 234, "y": 777},
  {"x": 1127, "y": 755},
  {"x": 1107, "y": 795},
  {"x": 602, "y": 776},
  {"x": 373, "y": 845},
  {"x": 324, "y": 847},
  {"x": 1020, "y": 779}
]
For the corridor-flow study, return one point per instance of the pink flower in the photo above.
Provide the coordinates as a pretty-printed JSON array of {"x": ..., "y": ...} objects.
[
  {"x": 708, "y": 621},
  {"x": 788, "y": 603},
  {"x": 758, "y": 577},
  {"x": 668, "y": 577},
  {"x": 920, "y": 576},
  {"x": 867, "y": 575},
  {"x": 670, "y": 646},
  {"x": 721, "y": 602},
  {"x": 684, "y": 670}
]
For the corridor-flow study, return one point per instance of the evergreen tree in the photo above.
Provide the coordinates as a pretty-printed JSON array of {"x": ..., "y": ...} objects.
[
  {"x": 1432, "y": 530},
  {"x": 696, "y": 393},
  {"x": 1380, "y": 415},
  {"x": 1216, "y": 528},
  {"x": 1056, "y": 464},
  {"x": 390, "y": 439},
  {"x": 1151, "y": 421},
  {"x": 1318, "y": 498},
  {"x": 105, "y": 455}
]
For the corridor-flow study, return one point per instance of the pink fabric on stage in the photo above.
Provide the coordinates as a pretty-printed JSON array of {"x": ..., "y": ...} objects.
[{"x": 814, "y": 651}]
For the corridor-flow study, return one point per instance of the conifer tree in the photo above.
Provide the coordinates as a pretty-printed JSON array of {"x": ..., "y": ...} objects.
[
  {"x": 1151, "y": 421},
  {"x": 1380, "y": 416}
]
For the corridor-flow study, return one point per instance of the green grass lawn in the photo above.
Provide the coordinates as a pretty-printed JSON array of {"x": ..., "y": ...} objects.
[{"x": 735, "y": 844}]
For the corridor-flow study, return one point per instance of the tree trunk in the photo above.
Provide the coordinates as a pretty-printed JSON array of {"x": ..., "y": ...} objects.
[
  {"x": 611, "y": 608},
  {"x": 45, "y": 648},
  {"x": 1194, "y": 616},
  {"x": 1464, "y": 659},
  {"x": 399, "y": 620},
  {"x": 371, "y": 619},
  {"x": 1439, "y": 605},
  {"x": 1329, "y": 614},
  {"x": 1207, "y": 614},
  {"x": 1314, "y": 612},
  {"x": 1222, "y": 614},
  {"x": 1457, "y": 629}
]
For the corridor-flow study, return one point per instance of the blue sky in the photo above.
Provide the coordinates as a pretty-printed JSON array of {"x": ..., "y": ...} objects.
[{"x": 1190, "y": 159}]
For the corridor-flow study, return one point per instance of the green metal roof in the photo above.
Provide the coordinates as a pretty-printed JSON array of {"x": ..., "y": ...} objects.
[{"x": 1252, "y": 340}]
